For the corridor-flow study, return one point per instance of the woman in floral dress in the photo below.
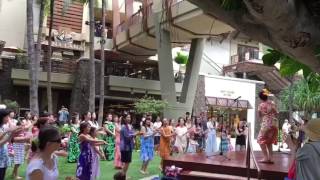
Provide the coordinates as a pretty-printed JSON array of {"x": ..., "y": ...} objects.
[
  {"x": 85, "y": 162},
  {"x": 117, "y": 153},
  {"x": 268, "y": 132},
  {"x": 73, "y": 146},
  {"x": 110, "y": 138},
  {"x": 147, "y": 145}
]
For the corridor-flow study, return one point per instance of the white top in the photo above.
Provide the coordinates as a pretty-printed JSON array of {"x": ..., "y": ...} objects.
[
  {"x": 38, "y": 164},
  {"x": 286, "y": 127},
  {"x": 181, "y": 138},
  {"x": 94, "y": 124},
  {"x": 157, "y": 125},
  {"x": 210, "y": 125}
]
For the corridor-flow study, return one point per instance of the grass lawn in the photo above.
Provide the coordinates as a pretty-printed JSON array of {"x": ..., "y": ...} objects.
[{"x": 106, "y": 169}]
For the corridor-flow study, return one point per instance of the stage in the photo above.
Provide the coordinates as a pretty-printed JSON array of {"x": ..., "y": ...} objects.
[{"x": 192, "y": 163}]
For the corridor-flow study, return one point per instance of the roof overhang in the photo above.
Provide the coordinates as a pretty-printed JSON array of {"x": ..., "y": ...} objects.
[{"x": 227, "y": 103}]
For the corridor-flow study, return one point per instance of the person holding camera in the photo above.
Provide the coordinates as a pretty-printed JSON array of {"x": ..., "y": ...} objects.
[{"x": 307, "y": 159}]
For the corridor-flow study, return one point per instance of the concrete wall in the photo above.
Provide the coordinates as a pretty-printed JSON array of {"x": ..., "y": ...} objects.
[
  {"x": 221, "y": 52},
  {"x": 13, "y": 22},
  {"x": 137, "y": 85},
  {"x": 13, "y": 18}
]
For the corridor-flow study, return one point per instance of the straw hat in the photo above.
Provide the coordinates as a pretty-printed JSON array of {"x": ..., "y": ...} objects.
[{"x": 312, "y": 130}]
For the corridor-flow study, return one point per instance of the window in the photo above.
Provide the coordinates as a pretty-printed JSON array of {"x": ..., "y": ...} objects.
[{"x": 247, "y": 53}]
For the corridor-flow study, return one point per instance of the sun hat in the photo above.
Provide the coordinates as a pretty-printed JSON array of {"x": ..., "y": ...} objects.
[{"x": 312, "y": 129}]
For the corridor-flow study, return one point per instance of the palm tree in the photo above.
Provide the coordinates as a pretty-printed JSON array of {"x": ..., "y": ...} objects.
[
  {"x": 92, "y": 85},
  {"x": 49, "y": 61},
  {"x": 92, "y": 61},
  {"x": 103, "y": 38},
  {"x": 304, "y": 98},
  {"x": 33, "y": 64}
]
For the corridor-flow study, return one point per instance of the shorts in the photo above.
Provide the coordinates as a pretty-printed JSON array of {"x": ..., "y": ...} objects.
[
  {"x": 156, "y": 140},
  {"x": 126, "y": 156}
]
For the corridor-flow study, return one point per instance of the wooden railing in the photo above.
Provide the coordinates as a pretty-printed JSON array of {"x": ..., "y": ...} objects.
[
  {"x": 67, "y": 66},
  {"x": 251, "y": 154},
  {"x": 136, "y": 18}
]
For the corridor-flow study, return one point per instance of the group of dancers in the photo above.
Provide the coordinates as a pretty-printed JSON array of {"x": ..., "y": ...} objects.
[{"x": 113, "y": 140}]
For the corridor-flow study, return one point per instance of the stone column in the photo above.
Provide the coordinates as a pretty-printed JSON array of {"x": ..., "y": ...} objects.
[
  {"x": 192, "y": 72},
  {"x": 115, "y": 17},
  {"x": 167, "y": 83}
]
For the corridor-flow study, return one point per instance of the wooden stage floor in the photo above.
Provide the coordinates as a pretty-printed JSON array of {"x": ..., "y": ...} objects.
[{"x": 235, "y": 166}]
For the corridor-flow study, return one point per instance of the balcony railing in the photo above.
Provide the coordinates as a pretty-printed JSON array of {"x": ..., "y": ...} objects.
[
  {"x": 132, "y": 71},
  {"x": 236, "y": 59},
  {"x": 136, "y": 18},
  {"x": 58, "y": 66}
]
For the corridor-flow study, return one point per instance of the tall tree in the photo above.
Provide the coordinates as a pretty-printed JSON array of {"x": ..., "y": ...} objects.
[
  {"x": 92, "y": 59},
  {"x": 38, "y": 48},
  {"x": 103, "y": 41},
  {"x": 305, "y": 96},
  {"x": 292, "y": 27},
  {"x": 33, "y": 64},
  {"x": 49, "y": 61}
]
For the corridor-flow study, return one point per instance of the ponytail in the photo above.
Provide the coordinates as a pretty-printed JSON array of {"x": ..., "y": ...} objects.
[{"x": 34, "y": 145}]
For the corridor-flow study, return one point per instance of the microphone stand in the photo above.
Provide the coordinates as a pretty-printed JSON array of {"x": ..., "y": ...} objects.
[{"x": 220, "y": 146}]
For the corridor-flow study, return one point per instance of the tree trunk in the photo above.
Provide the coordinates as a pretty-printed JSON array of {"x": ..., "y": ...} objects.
[
  {"x": 287, "y": 26},
  {"x": 38, "y": 48},
  {"x": 290, "y": 109},
  {"x": 103, "y": 41},
  {"x": 49, "y": 61},
  {"x": 92, "y": 59},
  {"x": 33, "y": 69}
]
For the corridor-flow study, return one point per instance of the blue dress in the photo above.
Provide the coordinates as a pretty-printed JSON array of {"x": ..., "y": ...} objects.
[
  {"x": 84, "y": 167},
  {"x": 211, "y": 142},
  {"x": 147, "y": 146},
  {"x": 4, "y": 154}
]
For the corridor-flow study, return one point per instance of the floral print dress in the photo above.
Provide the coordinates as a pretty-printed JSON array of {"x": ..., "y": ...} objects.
[
  {"x": 268, "y": 131},
  {"x": 73, "y": 146},
  {"x": 110, "y": 139}
]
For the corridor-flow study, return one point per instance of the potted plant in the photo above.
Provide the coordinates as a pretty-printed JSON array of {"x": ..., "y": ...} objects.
[{"x": 181, "y": 59}]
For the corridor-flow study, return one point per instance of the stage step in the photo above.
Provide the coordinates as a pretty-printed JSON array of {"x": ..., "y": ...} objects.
[{"x": 192, "y": 175}]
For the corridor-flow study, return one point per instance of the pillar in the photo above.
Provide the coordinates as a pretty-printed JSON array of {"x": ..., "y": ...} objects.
[
  {"x": 192, "y": 72},
  {"x": 115, "y": 17},
  {"x": 244, "y": 75},
  {"x": 167, "y": 83},
  {"x": 129, "y": 8}
]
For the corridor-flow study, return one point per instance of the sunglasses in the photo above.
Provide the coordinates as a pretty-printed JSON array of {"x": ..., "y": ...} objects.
[{"x": 56, "y": 141}]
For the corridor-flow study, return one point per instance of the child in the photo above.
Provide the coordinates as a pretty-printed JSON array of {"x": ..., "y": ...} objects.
[
  {"x": 96, "y": 154},
  {"x": 18, "y": 147},
  {"x": 225, "y": 142},
  {"x": 193, "y": 144}
]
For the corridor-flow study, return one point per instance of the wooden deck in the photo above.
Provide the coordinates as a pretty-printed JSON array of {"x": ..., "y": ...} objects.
[{"x": 235, "y": 165}]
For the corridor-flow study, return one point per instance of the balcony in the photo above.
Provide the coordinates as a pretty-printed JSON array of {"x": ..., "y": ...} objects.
[
  {"x": 62, "y": 73},
  {"x": 136, "y": 36},
  {"x": 136, "y": 85}
]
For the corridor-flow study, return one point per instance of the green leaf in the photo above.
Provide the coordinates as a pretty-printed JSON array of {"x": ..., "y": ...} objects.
[
  {"x": 271, "y": 58},
  {"x": 231, "y": 4},
  {"x": 289, "y": 67},
  {"x": 306, "y": 71}
]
